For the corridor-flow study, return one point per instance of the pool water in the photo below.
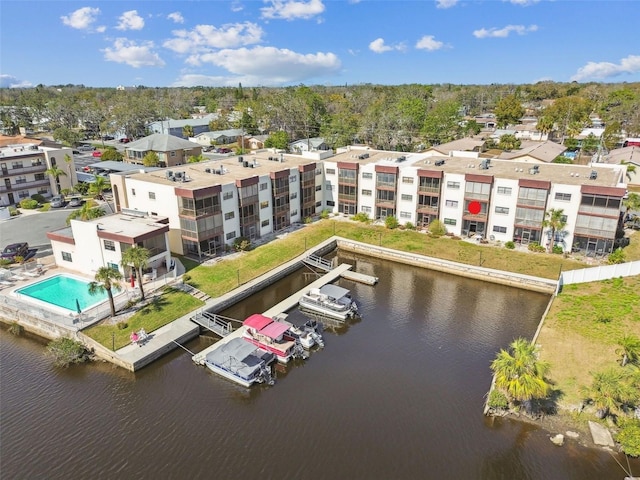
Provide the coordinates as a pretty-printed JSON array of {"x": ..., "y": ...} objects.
[{"x": 63, "y": 291}]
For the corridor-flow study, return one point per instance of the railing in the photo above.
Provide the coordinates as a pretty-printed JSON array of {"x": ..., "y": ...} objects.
[
  {"x": 215, "y": 323},
  {"x": 422, "y": 189}
]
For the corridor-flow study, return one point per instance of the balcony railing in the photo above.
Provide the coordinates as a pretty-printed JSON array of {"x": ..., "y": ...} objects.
[
  {"x": 189, "y": 212},
  {"x": 523, "y": 202},
  {"x": 422, "y": 189},
  {"x": 347, "y": 198},
  {"x": 592, "y": 232},
  {"x": 24, "y": 185},
  {"x": 605, "y": 212},
  {"x": 427, "y": 209},
  {"x": 476, "y": 196},
  {"x": 38, "y": 167},
  {"x": 253, "y": 199}
]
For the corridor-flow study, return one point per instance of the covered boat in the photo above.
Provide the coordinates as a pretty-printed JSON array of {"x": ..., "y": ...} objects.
[
  {"x": 329, "y": 300},
  {"x": 273, "y": 336},
  {"x": 241, "y": 362}
]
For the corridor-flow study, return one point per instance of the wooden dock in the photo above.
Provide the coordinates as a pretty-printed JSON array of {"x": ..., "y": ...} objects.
[{"x": 359, "y": 277}]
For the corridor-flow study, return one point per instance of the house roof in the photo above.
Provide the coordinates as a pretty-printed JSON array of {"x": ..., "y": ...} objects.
[
  {"x": 232, "y": 132},
  {"x": 543, "y": 151},
  {"x": 461, "y": 145},
  {"x": 314, "y": 142},
  {"x": 161, "y": 142},
  {"x": 183, "y": 122},
  {"x": 625, "y": 154}
]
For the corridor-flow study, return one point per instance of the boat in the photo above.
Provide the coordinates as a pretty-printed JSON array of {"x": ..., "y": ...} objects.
[
  {"x": 273, "y": 336},
  {"x": 241, "y": 362},
  {"x": 329, "y": 300},
  {"x": 309, "y": 334}
]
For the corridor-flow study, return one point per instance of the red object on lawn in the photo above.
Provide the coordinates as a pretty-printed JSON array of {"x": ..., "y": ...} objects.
[
  {"x": 133, "y": 281},
  {"x": 474, "y": 207}
]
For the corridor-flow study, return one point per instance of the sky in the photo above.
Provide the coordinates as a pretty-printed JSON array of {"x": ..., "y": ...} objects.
[{"x": 276, "y": 43}]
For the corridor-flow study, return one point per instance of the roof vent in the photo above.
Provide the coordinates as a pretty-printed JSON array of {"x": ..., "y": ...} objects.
[
  {"x": 439, "y": 163},
  {"x": 593, "y": 175}
]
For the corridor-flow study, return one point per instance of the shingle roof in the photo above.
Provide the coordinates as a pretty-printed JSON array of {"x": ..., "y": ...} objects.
[
  {"x": 625, "y": 154},
  {"x": 160, "y": 142},
  {"x": 543, "y": 151},
  {"x": 461, "y": 145}
]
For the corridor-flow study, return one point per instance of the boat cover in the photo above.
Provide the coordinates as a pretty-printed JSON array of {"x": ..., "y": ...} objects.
[
  {"x": 274, "y": 330},
  {"x": 334, "y": 291},
  {"x": 257, "y": 321},
  {"x": 237, "y": 356}
]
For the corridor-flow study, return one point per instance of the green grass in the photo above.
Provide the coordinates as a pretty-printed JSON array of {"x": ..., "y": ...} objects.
[{"x": 160, "y": 311}]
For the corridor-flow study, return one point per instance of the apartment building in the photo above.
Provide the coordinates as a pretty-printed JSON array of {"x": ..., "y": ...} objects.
[
  {"x": 23, "y": 169},
  {"x": 209, "y": 204}
]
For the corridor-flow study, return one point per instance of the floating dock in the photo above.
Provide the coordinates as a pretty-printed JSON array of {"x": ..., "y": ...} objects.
[{"x": 359, "y": 277}]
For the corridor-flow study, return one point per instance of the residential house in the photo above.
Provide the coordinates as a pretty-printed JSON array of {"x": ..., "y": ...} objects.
[
  {"x": 220, "y": 137},
  {"x": 172, "y": 126},
  {"x": 535, "y": 152},
  {"x": 255, "y": 142},
  {"x": 171, "y": 150},
  {"x": 308, "y": 145}
]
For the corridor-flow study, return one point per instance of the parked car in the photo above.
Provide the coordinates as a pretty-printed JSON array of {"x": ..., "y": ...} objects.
[
  {"x": 86, "y": 148},
  {"x": 75, "y": 201},
  {"x": 124, "y": 140},
  {"x": 223, "y": 150},
  {"x": 97, "y": 153},
  {"x": 207, "y": 149},
  {"x": 20, "y": 249},
  {"x": 108, "y": 137},
  {"x": 57, "y": 201}
]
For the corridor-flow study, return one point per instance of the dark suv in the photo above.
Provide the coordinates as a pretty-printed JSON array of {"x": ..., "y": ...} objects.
[{"x": 14, "y": 250}]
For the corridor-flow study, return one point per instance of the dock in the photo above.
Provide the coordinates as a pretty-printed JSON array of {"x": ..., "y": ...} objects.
[{"x": 359, "y": 277}]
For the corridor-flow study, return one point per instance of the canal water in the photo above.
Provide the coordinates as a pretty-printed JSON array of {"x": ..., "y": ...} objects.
[{"x": 397, "y": 394}]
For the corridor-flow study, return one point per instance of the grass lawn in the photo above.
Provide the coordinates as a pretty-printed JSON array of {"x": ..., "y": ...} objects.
[
  {"x": 162, "y": 310},
  {"x": 582, "y": 328}
]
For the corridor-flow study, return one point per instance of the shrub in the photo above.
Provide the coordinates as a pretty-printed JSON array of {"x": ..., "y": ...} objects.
[
  {"x": 557, "y": 249},
  {"x": 409, "y": 226},
  {"x": 38, "y": 198},
  {"x": 122, "y": 325},
  {"x": 16, "y": 329},
  {"x": 325, "y": 213},
  {"x": 28, "y": 204},
  {"x": 13, "y": 212},
  {"x": 45, "y": 208},
  {"x": 242, "y": 244},
  {"x": 308, "y": 220},
  {"x": 536, "y": 247},
  {"x": 629, "y": 437},
  {"x": 498, "y": 400},
  {"x": 391, "y": 222},
  {"x": 617, "y": 256},
  {"x": 66, "y": 351},
  {"x": 361, "y": 217},
  {"x": 510, "y": 245},
  {"x": 437, "y": 228}
]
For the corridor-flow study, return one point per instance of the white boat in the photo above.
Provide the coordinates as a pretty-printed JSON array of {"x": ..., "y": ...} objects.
[
  {"x": 272, "y": 336},
  {"x": 308, "y": 334},
  {"x": 241, "y": 362},
  {"x": 329, "y": 300}
]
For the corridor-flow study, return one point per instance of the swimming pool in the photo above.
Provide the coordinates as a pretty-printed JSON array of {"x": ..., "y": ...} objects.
[{"x": 63, "y": 291}]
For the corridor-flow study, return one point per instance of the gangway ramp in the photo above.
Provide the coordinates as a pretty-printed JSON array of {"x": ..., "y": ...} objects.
[
  {"x": 318, "y": 262},
  {"x": 221, "y": 326}
]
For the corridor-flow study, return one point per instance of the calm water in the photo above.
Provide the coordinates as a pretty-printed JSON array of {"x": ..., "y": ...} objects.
[{"x": 396, "y": 395}]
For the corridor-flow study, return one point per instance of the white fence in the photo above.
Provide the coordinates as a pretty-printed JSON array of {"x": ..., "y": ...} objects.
[{"x": 596, "y": 274}]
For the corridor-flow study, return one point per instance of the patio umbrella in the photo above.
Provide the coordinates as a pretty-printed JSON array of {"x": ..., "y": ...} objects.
[{"x": 78, "y": 309}]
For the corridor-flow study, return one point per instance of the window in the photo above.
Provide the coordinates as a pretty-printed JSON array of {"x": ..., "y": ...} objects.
[
  {"x": 477, "y": 188},
  {"x": 366, "y": 193},
  {"x": 152, "y": 195},
  {"x": 367, "y": 175},
  {"x": 173, "y": 154},
  {"x": 154, "y": 214},
  {"x": 264, "y": 204},
  {"x": 406, "y": 197},
  {"x": 109, "y": 245},
  {"x": 499, "y": 229},
  {"x": 231, "y": 235},
  {"x": 450, "y": 221},
  {"x": 504, "y": 190},
  {"x": 331, "y": 171},
  {"x": 331, "y": 203},
  {"x": 318, "y": 171},
  {"x": 365, "y": 209},
  {"x": 265, "y": 223},
  {"x": 453, "y": 185},
  {"x": 294, "y": 213},
  {"x": 133, "y": 192},
  {"x": 565, "y": 197},
  {"x": 39, "y": 176},
  {"x": 293, "y": 179},
  {"x": 293, "y": 195},
  {"x": 502, "y": 210},
  {"x": 229, "y": 215},
  {"x": 451, "y": 203},
  {"x": 407, "y": 180},
  {"x": 227, "y": 195},
  {"x": 263, "y": 186},
  {"x": 113, "y": 266},
  {"x": 66, "y": 256},
  {"x": 318, "y": 204},
  {"x": 405, "y": 214},
  {"x": 318, "y": 188}
]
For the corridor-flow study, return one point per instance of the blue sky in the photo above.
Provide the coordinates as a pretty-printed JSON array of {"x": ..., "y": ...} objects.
[{"x": 316, "y": 42}]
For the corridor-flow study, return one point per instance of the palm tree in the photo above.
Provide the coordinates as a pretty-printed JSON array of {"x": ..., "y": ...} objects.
[
  {"x": 68, "y": 160},
  {"x": 632, "y": 202},
  {"x": 520, "y": 374},
  {"x": 56, "y": 172},
  {"x": 629, "y": 350},
  {"x": 610, "y": 389},
  {"x": 89, "y": 211},
  {"x": 98, "y": 187},
  {"x": 106, "y": 279},
  {"x": 555, "y": 221},
  {"x": 137, "y": 258},
  {"x": 545, "y": 125},
  {"x": 631, "y": 168},
  {"x": 187, "y": 131}
]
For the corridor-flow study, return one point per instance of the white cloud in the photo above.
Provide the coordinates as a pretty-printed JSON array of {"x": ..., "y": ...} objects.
[
  {"x": 602, "y": 70},
  {"x": 428, "y": 42},
  {"x": 133, "y": 54},
  {"x": 270, "y": 65},
  {"x": 176, "y": 17},
  {"x": 446, "y": 3},
  {"x": 378, "y": 46},
  {"x": 205, "y": 37},
  {"x": 524, "y": 3},
  {"x": 504, "y": 32},
  {"x": 130, "y": 21},
  {"x": 9, "y": 81},
  {"x": 291, "y": 9},
  {"x": 81, "y": 19}
]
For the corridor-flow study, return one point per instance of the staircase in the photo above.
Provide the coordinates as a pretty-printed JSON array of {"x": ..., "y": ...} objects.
[{"x": 194, "y": 292}]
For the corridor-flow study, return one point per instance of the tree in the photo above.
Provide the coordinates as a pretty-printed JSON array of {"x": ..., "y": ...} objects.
[
  {"x": 441, "y": 124},
  {"x": 629, "y": 349},
  {"x": 137, "y": 258},
  {"x": 590, "y": 144},
  {"x": 612, "y": 135},
  {"x": 545, "y": 125},
  {"x": 196, "y": 158},
  {"x": 67, "y": 136},
  {"x": 632, "y": 202},
  {"x": 508, "y": 111},
  {"x": 98, "y": 187},
  {"x": 629, "y": 437},
  {"x": 106, "y": 279},
  {"x": 111, "y": 154},
  {"x": 151, "y": 159},
  {"x": 56, "y": 172},
  {"x": 609, "y": 390},
  {"x": 279, "y": 140},
  {"x": 89, "y": 211},
  {"x": 555, "y": 220},
  {"x": 187, "y": 131},
  {"x": 520, "y": 374},
  {"x": 68, "y": 160},
  {"x": 508, "y": 142}
]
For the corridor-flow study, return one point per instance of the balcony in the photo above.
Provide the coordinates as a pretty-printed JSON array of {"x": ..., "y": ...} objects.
[
  {"x": 251, "y": 200},
  {"x": 592, "y": 232},
  {"x": 201, "y": 212},
  {"x": 430, "y": 209},
  {"x": 347, "y": 198},
  {"x": 25, "y": 185},
  {"x": 600, "y": 211},
  {"x": 422, "y": 189},
  {"x": 523, "y": 202},
  {"x": 478, "y": 196}
]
